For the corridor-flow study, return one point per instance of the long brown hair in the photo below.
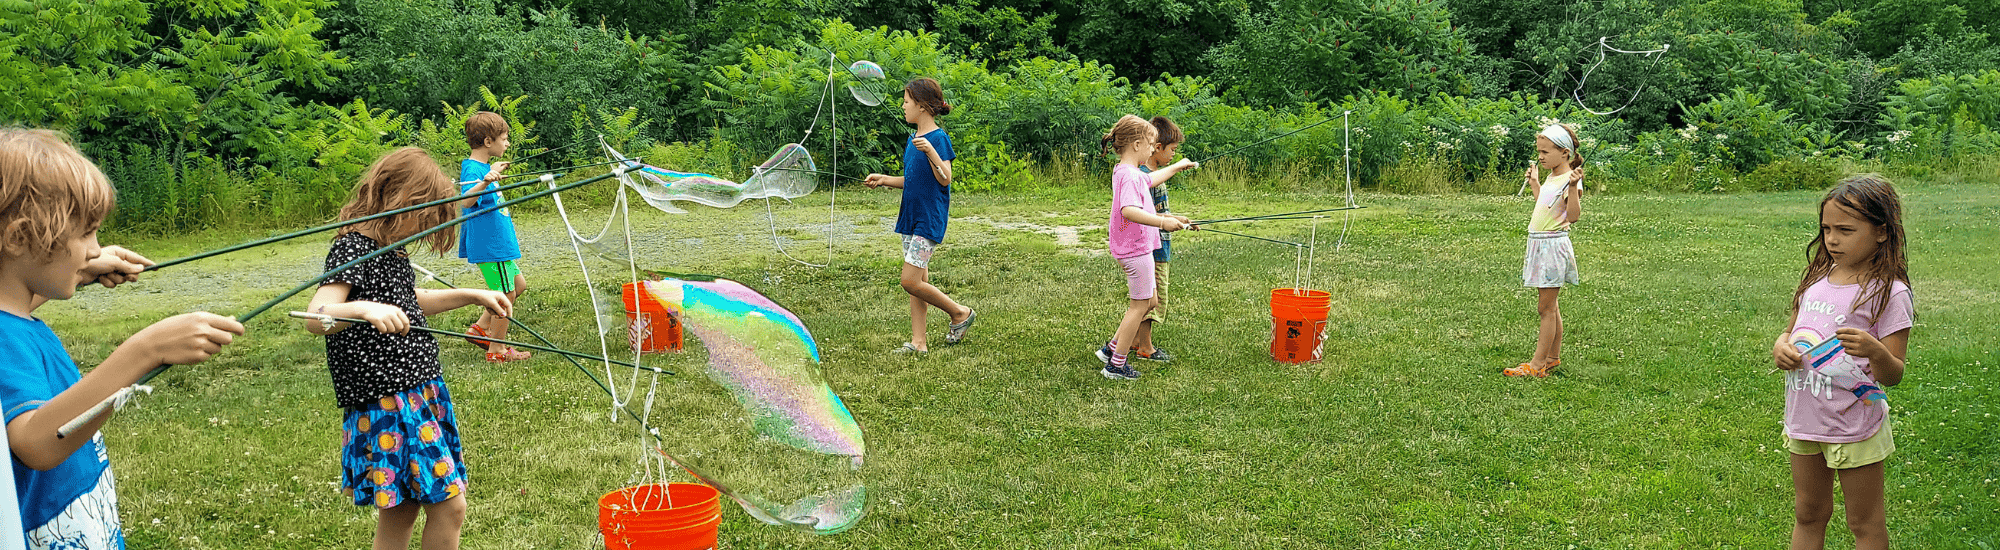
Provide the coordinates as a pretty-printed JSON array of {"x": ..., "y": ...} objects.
[
  {"x": 928, "y": 95},
  {"x": 1874, "y": 199},
  {"x": 49, "y": 193},
  {"x": 404, "y": 177}
]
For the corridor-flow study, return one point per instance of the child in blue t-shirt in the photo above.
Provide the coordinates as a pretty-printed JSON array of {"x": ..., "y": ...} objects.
[
  {"x": 926, "y": 208},
  {"x": 488, "y": 240},
  {"x": 52, "y": 200}
]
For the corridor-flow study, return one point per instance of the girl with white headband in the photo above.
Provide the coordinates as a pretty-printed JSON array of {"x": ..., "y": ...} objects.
[{"x": 1550, "y": 262}]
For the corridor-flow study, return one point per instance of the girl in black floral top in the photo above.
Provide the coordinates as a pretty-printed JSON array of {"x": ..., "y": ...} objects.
[{"x": 401, "y": 452}]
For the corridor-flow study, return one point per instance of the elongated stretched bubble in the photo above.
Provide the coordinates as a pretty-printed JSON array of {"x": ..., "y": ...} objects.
[
  {"x": 788, "y": 174},
  {"x": 762, "y": 425},
  {"x": 867, "y": 83}
]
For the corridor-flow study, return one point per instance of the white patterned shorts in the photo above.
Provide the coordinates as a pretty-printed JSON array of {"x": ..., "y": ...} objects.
[
  {"x": 917, "y": 251},
  {"x": 1550, "y": 261}
]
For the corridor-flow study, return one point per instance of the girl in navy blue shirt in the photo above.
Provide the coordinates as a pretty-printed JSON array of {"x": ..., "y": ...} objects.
[{"x": 926, "y": 208}]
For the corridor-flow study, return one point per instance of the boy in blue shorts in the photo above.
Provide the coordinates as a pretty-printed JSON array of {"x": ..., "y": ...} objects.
[{"x": 488, "y": 240}]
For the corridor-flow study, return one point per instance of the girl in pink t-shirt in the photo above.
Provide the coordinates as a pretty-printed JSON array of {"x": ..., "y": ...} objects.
[
  {"x": 1134, "y": 232},
  {"x": 1850, "y": 330}
]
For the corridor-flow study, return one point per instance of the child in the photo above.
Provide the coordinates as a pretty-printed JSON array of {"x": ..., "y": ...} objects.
[
  {"x": 926, "y": 185},
  {"x": 488, "y": 240},
  {"x": 1168, "y": 141},
  {"x": 52, "y": 201},
  {"x": 1856, "y": 291},
  {"x": 1133, "y": 234},
  {"x": 1551, "y": 262},
  {"x": 401, "y": 451}
]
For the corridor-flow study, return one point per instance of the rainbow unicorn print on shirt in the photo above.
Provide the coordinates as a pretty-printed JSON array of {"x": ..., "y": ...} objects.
[{"x": 1826, "y": 357}]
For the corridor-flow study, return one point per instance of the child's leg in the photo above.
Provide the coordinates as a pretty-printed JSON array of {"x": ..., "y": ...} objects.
[
  {"x": 1144, "y": 345},
  {"x": 498, "y": 327},
  {"x": 1866, "y": 515},
  {"x": 1548, "y": 345},
  {"x": 917, "y": 282},
  {"x": 1128, "y": 327},
  {"x": 1812, "y": 501},
  {"x": 919, "y": 312},
  {"x": 393, "y": 526},
  {"x": 442, "y": 523}
]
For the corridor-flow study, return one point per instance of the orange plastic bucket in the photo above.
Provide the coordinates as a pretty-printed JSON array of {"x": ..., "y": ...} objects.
[
  {"x": 673, "y": 516},
  {"x": 1298, "y": 324},
  {"x": 701, "y": 536},
  {"x": 649, "y": 327}
]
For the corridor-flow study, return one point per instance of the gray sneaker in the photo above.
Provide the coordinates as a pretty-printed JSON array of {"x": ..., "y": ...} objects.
[{"x": 1158, "y": 355}]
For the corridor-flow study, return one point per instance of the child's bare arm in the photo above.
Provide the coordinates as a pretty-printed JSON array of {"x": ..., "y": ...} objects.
[
  {"x": 1575, "y": 198},
  {"x": 1135, "y": 214},
  {"x": 331, "y": 299},
  {"x": 472, "y": 195},
  {"x": 439, "y": 301},
  {"x": 940, "y": 168},
  {"x": 179, "y": 340},
  {"x": 883, "y": 180},
  {"x": 1160, "y": 176},
  {"x": 1783, "y": 355},
  {"x": 1885, "y": 355}
]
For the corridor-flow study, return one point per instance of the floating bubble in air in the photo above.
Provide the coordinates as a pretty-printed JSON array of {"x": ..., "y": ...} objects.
[
  {"x": 761, "y": 424},
  {"x": 867, "y": 83}
]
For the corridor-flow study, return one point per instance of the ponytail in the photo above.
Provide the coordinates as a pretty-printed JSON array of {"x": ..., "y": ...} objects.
[
  {"x": 1130, "y": 129},
  {"x": 928, "y": 95},
  {"x": 1575, "y": 155}
]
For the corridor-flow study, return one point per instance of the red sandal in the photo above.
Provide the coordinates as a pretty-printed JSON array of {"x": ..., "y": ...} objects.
[
  {"x": 507, "y": 354},
  {"x": 476, "y": 330}
]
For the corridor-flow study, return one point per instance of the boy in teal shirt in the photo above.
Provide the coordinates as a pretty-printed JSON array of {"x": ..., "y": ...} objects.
[{"x": 488, "y": 240}]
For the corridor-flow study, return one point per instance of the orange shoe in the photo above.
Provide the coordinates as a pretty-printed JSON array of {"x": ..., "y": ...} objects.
[
  {"x": 507, "y": 354},
  {"x": 1529, "y": 369}
]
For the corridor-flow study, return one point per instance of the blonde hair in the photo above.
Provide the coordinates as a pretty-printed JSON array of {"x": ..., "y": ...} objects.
[
  {"x": 1129, "y": 130},
  {"x": 49, "y": 193},
  {"x": 484, "y": 126},
  {"x": 404, "y": 177}
]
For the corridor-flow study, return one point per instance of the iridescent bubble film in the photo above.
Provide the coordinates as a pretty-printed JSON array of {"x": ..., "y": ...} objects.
[
  {"x": 867, "y": 83},
  {"x": 761, "y": 424}
]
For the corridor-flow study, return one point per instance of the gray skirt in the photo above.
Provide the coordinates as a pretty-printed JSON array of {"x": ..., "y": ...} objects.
[{"x": 1550, "y": 261}]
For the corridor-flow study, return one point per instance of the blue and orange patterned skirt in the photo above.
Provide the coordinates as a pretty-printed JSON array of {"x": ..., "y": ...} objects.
[{"x": 403, "y": 448}]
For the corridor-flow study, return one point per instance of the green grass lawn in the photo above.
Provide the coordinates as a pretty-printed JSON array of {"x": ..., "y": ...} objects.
[{"x": 1662, "y": 433}]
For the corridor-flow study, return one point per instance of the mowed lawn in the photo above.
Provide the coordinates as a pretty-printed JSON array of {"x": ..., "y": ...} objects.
[{"x": 1662, "y": 431}]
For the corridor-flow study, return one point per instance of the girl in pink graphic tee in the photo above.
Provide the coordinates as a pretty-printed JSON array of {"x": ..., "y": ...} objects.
[{"x": 1850, "y": 331}]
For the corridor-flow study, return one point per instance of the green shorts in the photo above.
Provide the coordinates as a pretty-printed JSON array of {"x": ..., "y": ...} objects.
[
  {"x": 500, "y": 276},
  {"x": 1841, "y": 456}
]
